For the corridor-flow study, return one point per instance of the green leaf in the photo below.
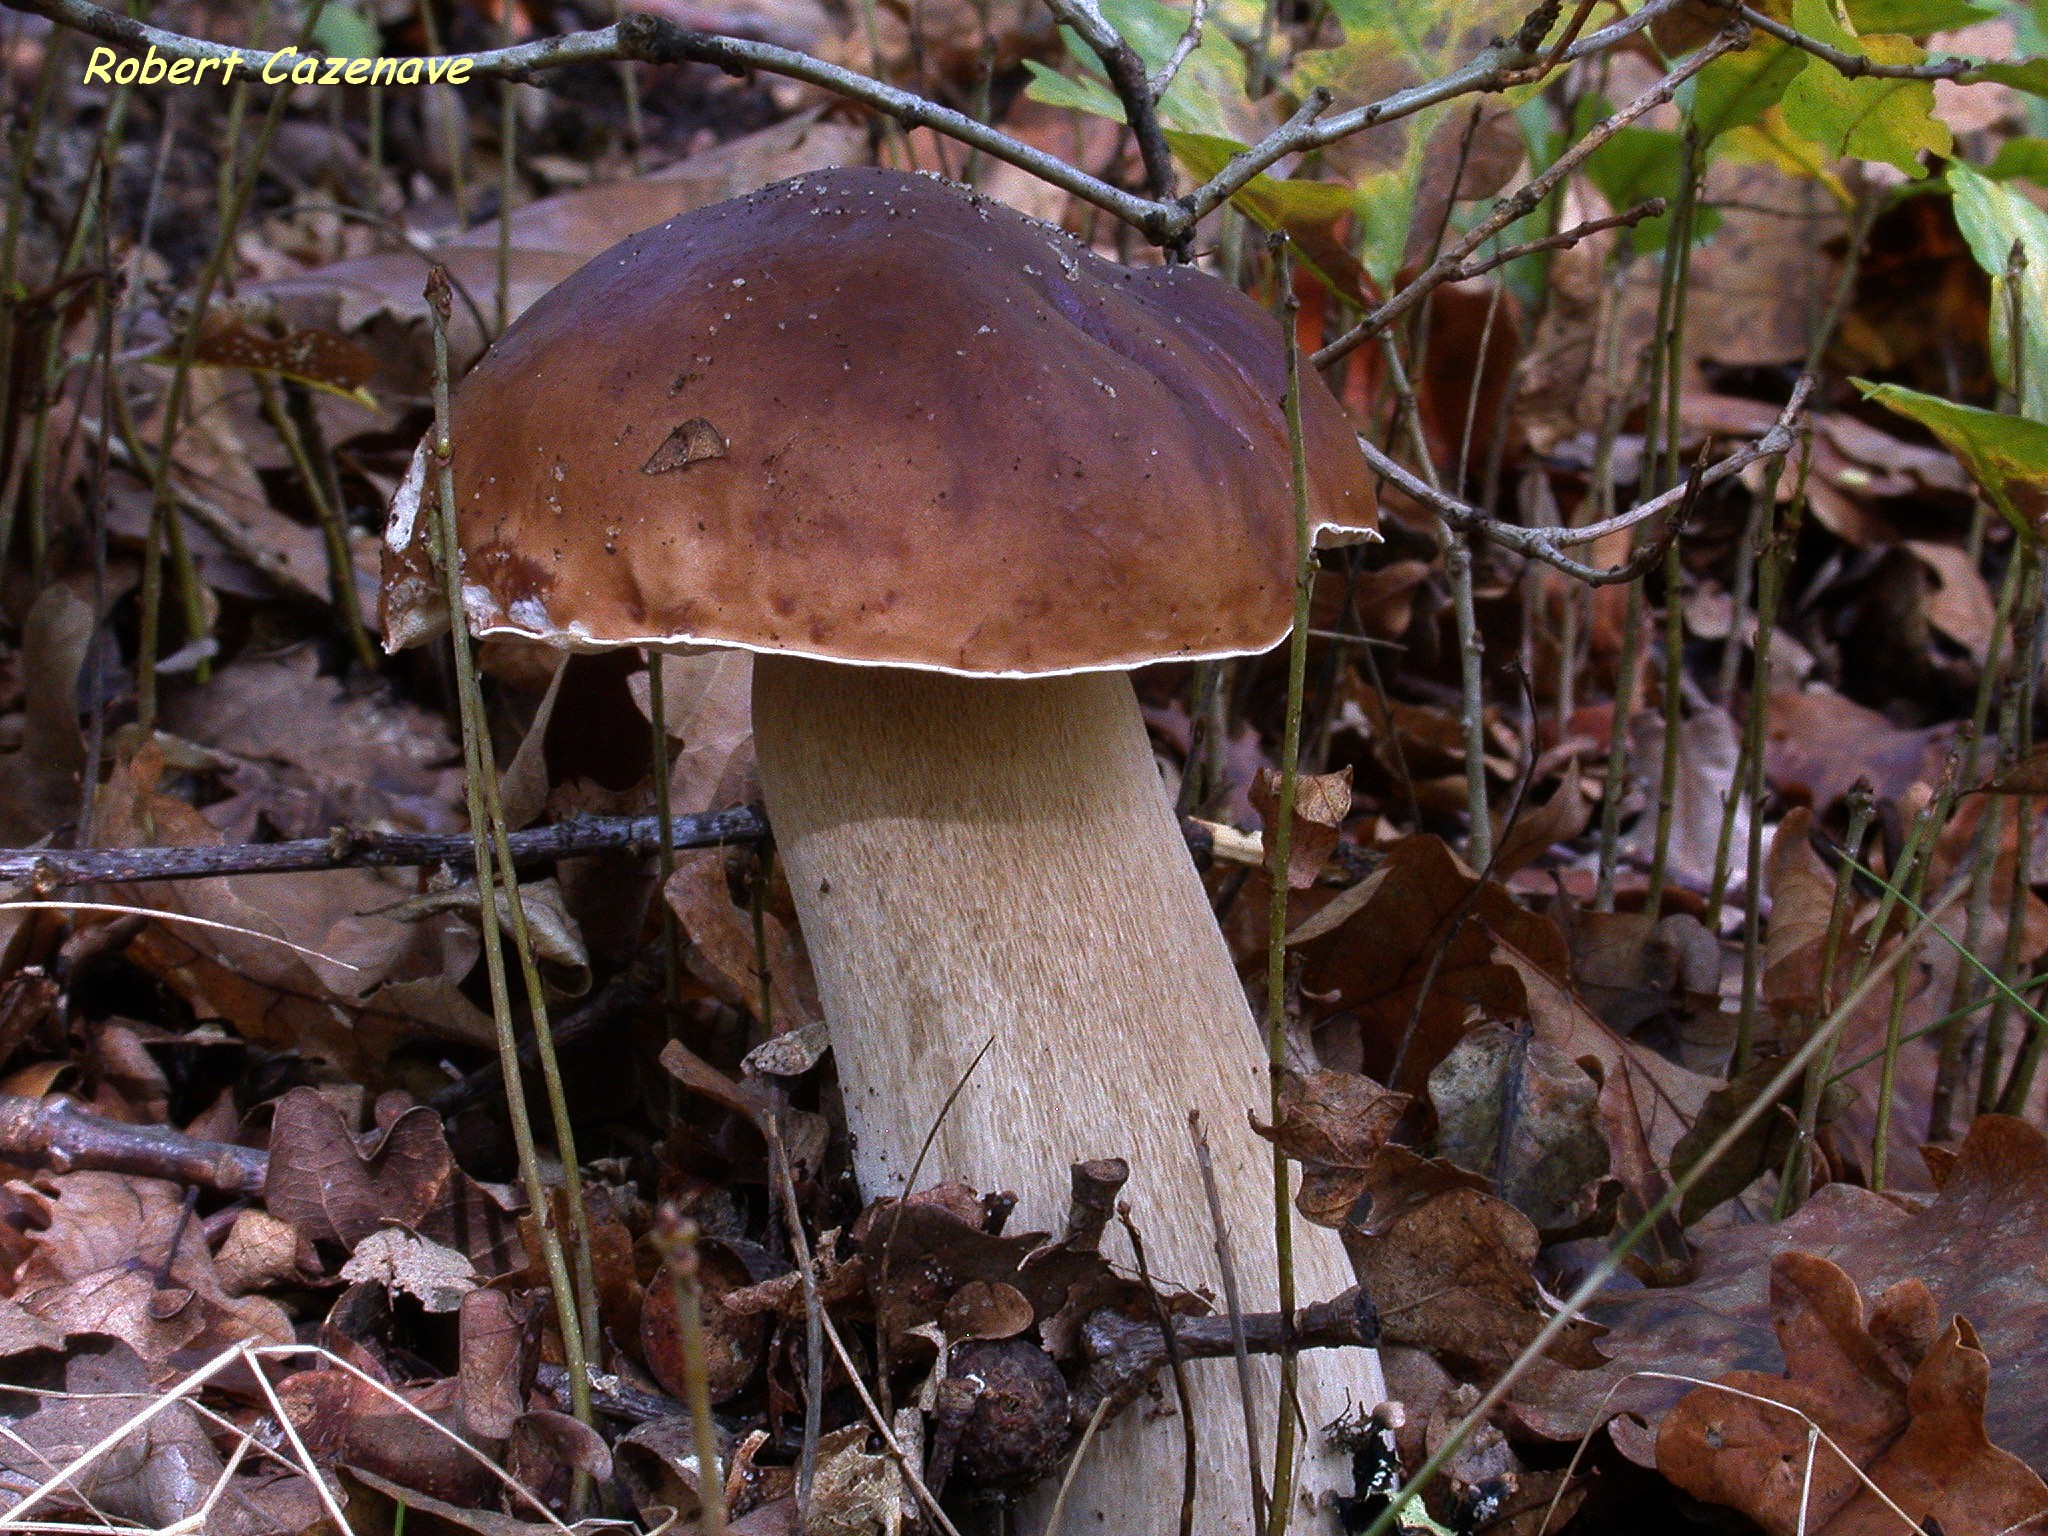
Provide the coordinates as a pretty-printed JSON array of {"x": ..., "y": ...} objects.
[
  {"x": 2023, "y": 158},
  {"x": 1391, "y": 45},
  {"x": 1639, "y": 163},
  {"x": 1208, "y": 94},
  {"x": 1891, "y": 121},
  {"x": 2029, "y": 75},
  {"x": 343, "y": 32},
  {"x": 1308, "y": 212},
  {"x": 1994, "y": 218},
  {"x": 1087, "y": 94},
  {"x": 1737, "y": 89},
  {"x": 2006, "y": 455},
  {"x": 1769, "y": 142},
  {"x": 1917, "y": 18}
]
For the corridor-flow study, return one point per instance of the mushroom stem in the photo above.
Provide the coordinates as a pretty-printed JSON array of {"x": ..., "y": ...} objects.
[{"x": 977, "y": 859}]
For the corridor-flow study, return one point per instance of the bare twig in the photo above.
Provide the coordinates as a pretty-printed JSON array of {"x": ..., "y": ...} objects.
[
  {"x": 651, "y": 40},
  {"x": 1123, "y": 1354},
  {"x": 48, "y": 869},
  {"x": 1856, "y": 65},
  {"x": 1190, "y": 40},
  {"x": 1163, "y": 219},
  {"x": 814, "y": 1315},
  {"x": 1648, "y": 208},
  {"x": 1233, "y": 1310},
  {"x": 622, "y": 997},
  {"x": 1133, "y": 88},
  {"x": 56, "y": 1133},
  {"x": 1310, "y": 128},
  {"x": 675, "y": 1238},
  {"x": 1544, "y": 543},
  {"x": 1190, "y": 1451},
  {"x": 1525, "y": 201}
]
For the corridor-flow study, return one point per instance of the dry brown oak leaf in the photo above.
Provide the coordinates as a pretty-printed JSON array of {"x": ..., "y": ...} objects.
[
  {"x": 336, "y": 1187},
  {"x": 1898, "y": 1403},
  {"x": 1980, "y": 1247}
]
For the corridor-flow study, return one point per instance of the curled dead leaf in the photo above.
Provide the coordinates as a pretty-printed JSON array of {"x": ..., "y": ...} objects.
[{"x": 1903, "y": 1423}]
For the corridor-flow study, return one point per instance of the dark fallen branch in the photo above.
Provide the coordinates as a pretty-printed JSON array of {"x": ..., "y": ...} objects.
[
  {"x": 48, "y": 869},
  {"x": 56, "y": 1133},
  {"x": 41, "y": 870},
  {"x": 1125, "y": 1354}
]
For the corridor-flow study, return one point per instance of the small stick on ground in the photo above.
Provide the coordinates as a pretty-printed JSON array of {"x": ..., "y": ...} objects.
[{"x": 56, "y": 1133}]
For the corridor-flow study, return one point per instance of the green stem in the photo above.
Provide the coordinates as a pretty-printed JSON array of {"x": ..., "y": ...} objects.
[
  {"x": 1280, "y": 840},
  {"x": 479, "y": 789},
  {"x": 1678, "y": 259},
  {"x": 163, "y": 508}
]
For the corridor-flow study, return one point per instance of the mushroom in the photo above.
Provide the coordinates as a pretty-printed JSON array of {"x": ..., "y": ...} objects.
[{"x": 950, "y": 476}]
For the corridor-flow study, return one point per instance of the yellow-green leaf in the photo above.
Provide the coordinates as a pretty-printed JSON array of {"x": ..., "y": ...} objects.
[
  {"x": 1886, "y": 120},
  {"x": 1994, "y": 217},
  {"x": 1737, "y": 89},
  {"x": 2006, "y": 455}
]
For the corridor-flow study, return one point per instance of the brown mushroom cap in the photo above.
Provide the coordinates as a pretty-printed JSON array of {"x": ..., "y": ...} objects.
[{"x": 865, "y": 416}]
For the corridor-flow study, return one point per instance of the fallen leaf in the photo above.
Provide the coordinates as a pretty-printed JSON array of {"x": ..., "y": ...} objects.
[
  {"x": 1904, "y": 1424},
  {"x": 158, "y": 1475},
  {"x": 722, "y": 951},
  {"x": 1321, "y": 802},
  {"x": 1526, "y": 1115},
  {"x": 336, "y": 1187},
  {"x": 855, "y": 1491},
  {"x": 39, "y": 789},
  {"x": 1817, "y": 744},
  {"x": 1707, "y": 752},
  {"x": 103, "y": 1261},
  {"x": 1419, "y": 953},
  {"x": 1336, "y": 1125},
  {"x": 1976, "y": 1246},
  {"x": 437, "y": 1277},
  {"x": 1535, "y": 832},
  {"x": 733, "y": 1342},
  {"x": 1451, "y": 1274}
]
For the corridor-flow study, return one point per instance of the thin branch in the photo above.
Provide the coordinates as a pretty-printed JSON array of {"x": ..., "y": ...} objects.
[
  {"x": 1648, "y": 208},
  {"x": 1524, "y": 202},
  {"x": 51, "y": 869},
  {"x": 48, "y": 869},
  {"x": 1857, "y": 66},
  {"x": 1190, "y": 40},
  {"x": 1124, "y": 1354},
  {"x": 1163, "y": 219},
  {"x": 56, "y": 1133},
  {"x": 632, "y": 990},
  {"x": 1545, "y": 543},
  {"x": 1128, "y": 79},
  {"x": 651, "y": 40},
  {"x": 1493, "y": 70}
]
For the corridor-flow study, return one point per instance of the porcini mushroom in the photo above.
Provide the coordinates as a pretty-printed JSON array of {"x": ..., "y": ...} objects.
[{"x": 950, "y": 475}]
